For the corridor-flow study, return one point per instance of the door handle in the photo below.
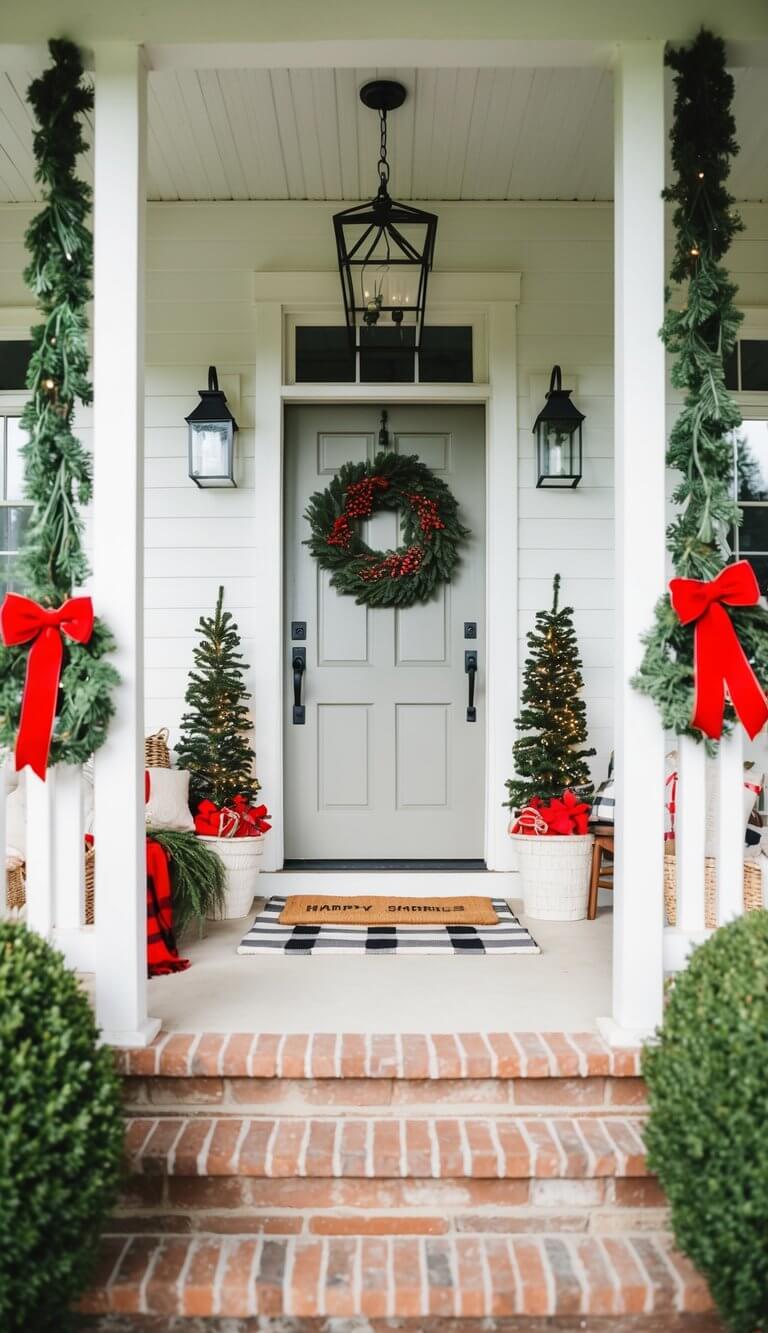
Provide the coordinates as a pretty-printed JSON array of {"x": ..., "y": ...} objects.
[
  {"x": 299, "y": 663},
  {"x": 470, "y": 666}
]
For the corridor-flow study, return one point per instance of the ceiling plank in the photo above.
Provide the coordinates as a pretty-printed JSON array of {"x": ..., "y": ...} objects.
[
  {"x": 227, "y": 141},
  {"x": 285, "y": 113}
]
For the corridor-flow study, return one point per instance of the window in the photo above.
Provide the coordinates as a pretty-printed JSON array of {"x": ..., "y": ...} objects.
[
  {"x": 14, "y": 512},
  {"x": 750, "y": 541},
  {"x": 387, "y": 355},
  {"x": 746, "y": 369},
  {"x": 14, "y": 360}
]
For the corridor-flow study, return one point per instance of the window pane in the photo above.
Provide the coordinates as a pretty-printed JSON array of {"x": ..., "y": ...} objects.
[
  {"x": 15, "y": 437},
  {"x": 13, "y": 521},
  {"x": 387, "y": 355},
  {"x": 445, "y": 356},
  {"x": 754, "y": 364},
  {"x": 760, "y": 565},
  {"x": 753, "y": 533},
  {"x": 752, "y": 460},
  {"x": 324, "y": 355},
  {"x": 14, "y": 359},
  {"x": 731, "y": 368}
]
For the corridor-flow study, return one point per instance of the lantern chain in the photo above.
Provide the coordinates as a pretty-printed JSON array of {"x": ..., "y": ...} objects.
[{"x": 383, "y": 163}]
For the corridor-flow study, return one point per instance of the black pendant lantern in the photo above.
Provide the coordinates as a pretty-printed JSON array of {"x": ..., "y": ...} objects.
[
  {"x": 558, "y": 437},
  {"x": 212, "y": 438},
  {"x": 385, "y": 249}
]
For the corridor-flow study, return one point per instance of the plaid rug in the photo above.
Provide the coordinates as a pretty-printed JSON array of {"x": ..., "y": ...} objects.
[{"x": 266, "y": 935}]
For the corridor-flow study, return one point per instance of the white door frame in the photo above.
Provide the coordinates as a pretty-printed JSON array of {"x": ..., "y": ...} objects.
[{"x": 496, "y": 296}]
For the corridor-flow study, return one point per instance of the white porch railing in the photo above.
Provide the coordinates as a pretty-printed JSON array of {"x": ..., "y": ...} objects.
[{"x": 695, "y": 774}]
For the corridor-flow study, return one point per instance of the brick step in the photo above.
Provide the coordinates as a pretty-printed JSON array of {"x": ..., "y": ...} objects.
[
  {"x": 447, "y": 1148},
  {"x": 296, "y": 1072},
  {"x": 389, "y": 1277}
]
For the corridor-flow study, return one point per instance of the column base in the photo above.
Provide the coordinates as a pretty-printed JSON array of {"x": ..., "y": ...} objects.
[
  {"x": 617, "y": 1036},
  {"x": 142, "y": 1036}
]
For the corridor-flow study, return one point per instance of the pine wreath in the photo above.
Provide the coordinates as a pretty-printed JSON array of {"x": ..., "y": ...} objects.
[{"x": 429, "y": 519}]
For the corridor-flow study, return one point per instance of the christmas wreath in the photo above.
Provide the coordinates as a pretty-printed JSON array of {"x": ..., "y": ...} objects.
[{"x": 431, "y": 531}]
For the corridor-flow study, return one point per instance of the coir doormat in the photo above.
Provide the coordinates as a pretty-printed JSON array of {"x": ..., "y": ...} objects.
[
  {"x": 306, "y": 909},
  {"x": 268, "y": 936}
]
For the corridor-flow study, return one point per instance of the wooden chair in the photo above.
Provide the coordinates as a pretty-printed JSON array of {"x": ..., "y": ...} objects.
[{"x": 601, "y": 875}]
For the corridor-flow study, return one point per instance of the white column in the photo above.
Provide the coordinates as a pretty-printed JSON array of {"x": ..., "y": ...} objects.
[
  {"x": 640, "y": 522},
  {"x": 119, "y": 207}
]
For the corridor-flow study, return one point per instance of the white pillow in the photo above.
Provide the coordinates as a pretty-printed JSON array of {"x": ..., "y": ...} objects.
[
  {"x": 16, "y": 813},
  {"x": 168, "y": 800}
]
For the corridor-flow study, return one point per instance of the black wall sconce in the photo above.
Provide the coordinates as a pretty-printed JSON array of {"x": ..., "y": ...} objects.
[
  {"x": 212, "y": 438},
  {"x": 558, "y": 437}
]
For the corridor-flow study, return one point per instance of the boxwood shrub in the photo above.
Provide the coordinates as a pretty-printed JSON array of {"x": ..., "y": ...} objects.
[
  {"x": 707, "y": 1137},
  {"x": 60, "y": 1135}
]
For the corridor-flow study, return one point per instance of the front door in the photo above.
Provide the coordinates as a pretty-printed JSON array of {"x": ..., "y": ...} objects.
[{"x": 386, "y": 764}]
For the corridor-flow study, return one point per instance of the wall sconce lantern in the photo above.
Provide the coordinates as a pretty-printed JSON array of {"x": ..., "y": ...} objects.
[
  {"x": 384, "y": 248},
  {"x": 558, "y": 437},
  {"x": 212, "y": 438}
]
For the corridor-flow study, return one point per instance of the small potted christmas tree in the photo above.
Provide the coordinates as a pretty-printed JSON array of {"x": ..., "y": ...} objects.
[
  {"x": 550, "y": 817},
  {"x": 215, "y": 748}
]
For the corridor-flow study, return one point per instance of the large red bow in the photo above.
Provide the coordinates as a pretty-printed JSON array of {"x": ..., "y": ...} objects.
[
  {"x": 719, "y": 659},
  {"x": 23, "y": 621}
]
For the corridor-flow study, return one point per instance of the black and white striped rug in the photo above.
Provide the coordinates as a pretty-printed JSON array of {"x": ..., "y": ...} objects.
[{"x": 266, "y": 935}]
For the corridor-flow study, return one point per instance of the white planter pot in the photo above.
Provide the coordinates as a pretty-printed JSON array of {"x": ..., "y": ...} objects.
[
  {"x": 555, "y": 875},
  {"x": 241, "y": 860}
]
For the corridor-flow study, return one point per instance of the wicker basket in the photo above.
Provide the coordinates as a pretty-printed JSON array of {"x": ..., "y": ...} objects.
[
  {"x": 753, "y": 887},
  {"x": 15, "y": 895},
  {"x": 16, "y": 891},
  {"x": 554, "y": 873},
  {"x": 156, "y": 752}
]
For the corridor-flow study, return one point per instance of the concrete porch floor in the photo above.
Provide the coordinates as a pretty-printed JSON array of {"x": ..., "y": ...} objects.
[{"x": 564, "y": 988}]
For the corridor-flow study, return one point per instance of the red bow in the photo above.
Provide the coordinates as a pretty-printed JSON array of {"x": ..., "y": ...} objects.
[
  {"x": 566, "y": 815},
  {"x": 719, "y": 659},
  {"x": 240, "y": 820},
  {"x": 23, "y": 621}
]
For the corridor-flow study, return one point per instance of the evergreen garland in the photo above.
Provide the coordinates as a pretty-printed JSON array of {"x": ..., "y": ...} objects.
[
  {"x": 700, "y": 335},
  {"x": 57, "y": 469},
  {"x": 198, "y": 877},
  {"x": 429, "y": 519},
  {"x": 214, "y": 745},
  {"x": 553, "y": 717}
]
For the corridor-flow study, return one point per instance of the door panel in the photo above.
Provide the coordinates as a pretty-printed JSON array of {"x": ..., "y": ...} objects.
[{"x": 386, "y": 764}]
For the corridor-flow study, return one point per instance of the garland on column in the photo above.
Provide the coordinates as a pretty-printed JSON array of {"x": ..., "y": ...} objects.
[
  {"x": 57, "y": 469},
  {"x": 700, "y": 335}
]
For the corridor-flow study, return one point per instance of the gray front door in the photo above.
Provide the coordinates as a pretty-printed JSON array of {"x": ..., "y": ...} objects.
[{"x": 387, "y": 764}]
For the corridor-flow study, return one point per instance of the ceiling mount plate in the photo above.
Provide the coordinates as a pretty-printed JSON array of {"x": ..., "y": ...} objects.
[{"x": 383, "y": 94}]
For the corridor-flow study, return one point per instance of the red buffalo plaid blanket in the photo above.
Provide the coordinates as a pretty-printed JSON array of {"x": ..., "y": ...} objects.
[{"x": 162, "y": 954}]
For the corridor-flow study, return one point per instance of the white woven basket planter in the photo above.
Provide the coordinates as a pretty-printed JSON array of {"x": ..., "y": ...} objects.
[
  {"x": 555, "y": 875},
  {"x": 241, "y": 859}
]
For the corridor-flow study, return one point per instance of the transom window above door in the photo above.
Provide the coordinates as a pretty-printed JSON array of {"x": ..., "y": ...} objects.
[{"x": 323, "y": 354}]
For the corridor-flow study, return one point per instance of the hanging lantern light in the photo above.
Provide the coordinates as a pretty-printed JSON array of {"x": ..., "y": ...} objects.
[
  {"x": 212, "y": 438},
  {"x": 558, "y": 437},
  {"x": 385, "y": 249}
]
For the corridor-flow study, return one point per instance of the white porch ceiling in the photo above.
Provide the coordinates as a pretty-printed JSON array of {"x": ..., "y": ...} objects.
[{"x": 468, "y": 134}]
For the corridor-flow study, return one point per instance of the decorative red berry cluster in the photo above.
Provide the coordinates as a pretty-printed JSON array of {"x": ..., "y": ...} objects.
[
  {"x": 341, "y": 532},
  {"x": 394, "y": 566},
  {"x": 359, "y": 503},
  {"x": 429, "y": 517}
]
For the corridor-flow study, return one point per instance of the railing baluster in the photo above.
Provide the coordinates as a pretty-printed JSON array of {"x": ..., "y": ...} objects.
[
  {"x": 41, "y": 801},
  {"x": 690, "y": 825},
  {"x": 730, "y": 828},
  {"x": 69, "y": 863}
]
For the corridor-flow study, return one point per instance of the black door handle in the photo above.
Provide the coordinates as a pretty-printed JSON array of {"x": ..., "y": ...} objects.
[
  {"x": 299, "y": 663},
  {"x": 470, "y": 666}
]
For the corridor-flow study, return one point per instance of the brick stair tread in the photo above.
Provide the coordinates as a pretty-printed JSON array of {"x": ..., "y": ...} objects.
[
  {"x": 472, "y": 1055},
  {"x": 434, "y": 1147},
  {"x": 470, "y": 1276}
]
